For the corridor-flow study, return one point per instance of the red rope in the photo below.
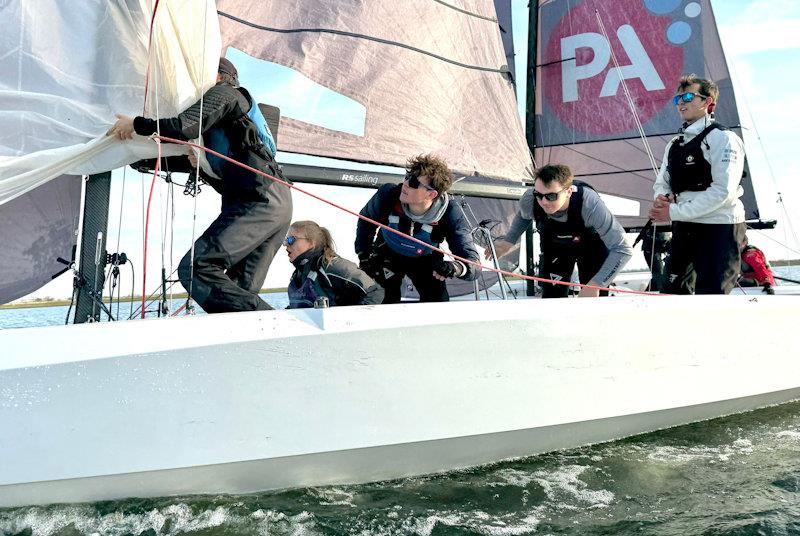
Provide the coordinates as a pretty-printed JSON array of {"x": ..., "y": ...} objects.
[
  {"x": 149, "y": 52},
  {"x": 400, "y": 233},
  {"x": 147, "y": 226}
]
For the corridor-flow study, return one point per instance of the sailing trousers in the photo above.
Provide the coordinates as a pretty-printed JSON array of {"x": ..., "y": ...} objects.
[
  {"x": 558, "y": 264},
  {"x": 704, "y": 257},
  {"x": 419, "y": 270},
  {"x": 232, "y": 256}
]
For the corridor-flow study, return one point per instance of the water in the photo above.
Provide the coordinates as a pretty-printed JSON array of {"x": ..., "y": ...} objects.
[{"x": 737, "y": 476}]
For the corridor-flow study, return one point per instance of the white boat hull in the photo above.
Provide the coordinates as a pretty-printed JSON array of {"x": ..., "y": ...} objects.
[{"x": 258, "y": 401}]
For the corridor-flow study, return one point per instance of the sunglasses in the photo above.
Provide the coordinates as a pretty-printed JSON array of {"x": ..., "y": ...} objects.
[
  {"x": 291, "y": 239},
  {"x": 686, "y": 97},
  {"x": 413, "y": 182},
  {"x": 550, "y": 196}
]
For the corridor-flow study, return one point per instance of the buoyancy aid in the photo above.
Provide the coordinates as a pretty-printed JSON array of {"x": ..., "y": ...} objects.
[
  {"x": 687, "y": 167},
  {"x": 248, "y": 131},
  {"x": 401, "y": 244},
  {"x": 570, "y": 235}
]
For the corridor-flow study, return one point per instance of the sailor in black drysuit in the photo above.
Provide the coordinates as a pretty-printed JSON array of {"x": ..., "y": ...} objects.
[
  {"x": 232, "y": 256},
  {"x": 419, "y": 207},
  {"x": 655, "y": 248}
]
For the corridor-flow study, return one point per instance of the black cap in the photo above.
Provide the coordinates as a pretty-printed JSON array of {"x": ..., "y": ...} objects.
[{"x": 226, "y": 67}]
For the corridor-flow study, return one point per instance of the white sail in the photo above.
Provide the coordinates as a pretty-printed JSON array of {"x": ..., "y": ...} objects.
[{"x": 68, "y": 67}]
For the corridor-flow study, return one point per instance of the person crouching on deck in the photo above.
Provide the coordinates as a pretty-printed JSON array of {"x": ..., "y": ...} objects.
[
  {"x": 575, "y": 227},
  {"x": 321, "y": 273},
  {"x": 756, "y": 271},
  {"x": 419, "y": 207},
  {"x": 232, "y": 256}
]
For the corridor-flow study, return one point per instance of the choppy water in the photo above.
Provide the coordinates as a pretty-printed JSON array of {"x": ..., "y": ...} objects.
[{"x": 735, "y": 476}]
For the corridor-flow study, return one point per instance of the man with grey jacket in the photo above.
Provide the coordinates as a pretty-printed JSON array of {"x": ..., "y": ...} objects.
[
  {"x": 698, "y": 190},
  {"x": 575, "y": 227}
]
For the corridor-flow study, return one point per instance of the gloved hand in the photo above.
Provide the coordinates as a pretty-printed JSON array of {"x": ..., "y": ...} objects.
[
  {"x": 768, "y": 289},
  {"x": 371, "y": 264},
  {"x": 447, "y": 269}
]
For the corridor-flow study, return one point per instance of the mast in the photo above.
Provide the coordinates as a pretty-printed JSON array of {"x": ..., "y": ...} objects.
[
  {"x": 530, "y": 122},
  {"x": 90, "y": 279}
]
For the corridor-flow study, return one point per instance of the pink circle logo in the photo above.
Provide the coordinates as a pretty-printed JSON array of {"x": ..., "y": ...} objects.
[{"x": 580, "y": 83}]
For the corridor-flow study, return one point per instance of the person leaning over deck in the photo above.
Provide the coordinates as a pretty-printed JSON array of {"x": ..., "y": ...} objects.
[
  {"x": 419, "y": 207},
  {"x": 232, "y": 256},
  {"x": 756, "y": 271},
  {"x": 698, "y": 191},
  {"x": 321, "y": 273},
  {"x": 575, "y": 227}
]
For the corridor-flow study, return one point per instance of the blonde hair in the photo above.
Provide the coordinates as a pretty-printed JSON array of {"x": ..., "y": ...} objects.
[{"x": 317, "y": 235}]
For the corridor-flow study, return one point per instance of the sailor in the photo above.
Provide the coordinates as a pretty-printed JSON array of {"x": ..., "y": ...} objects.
[
  {"x": 232, "y": 256},
  {"x": 419, "y": 207},
  {"x": 756, "y": 271},
  {"x": 655, "y": 249},
  {"x": 322, "y": 276},
  {"x": 575, "y": 227},
  {"x": 698, "y": 190}
]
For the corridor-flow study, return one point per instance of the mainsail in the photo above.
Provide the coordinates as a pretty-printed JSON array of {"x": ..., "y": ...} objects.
[
  {"x": 583, "y": 115},
  {"x": 432, "y": 75}
]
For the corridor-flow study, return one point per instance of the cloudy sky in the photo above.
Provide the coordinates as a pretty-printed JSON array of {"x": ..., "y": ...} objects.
[{"x": 762, "y": 43}]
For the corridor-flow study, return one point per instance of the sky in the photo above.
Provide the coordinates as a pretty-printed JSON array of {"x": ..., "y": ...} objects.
[{"x": 761, "y": 39}]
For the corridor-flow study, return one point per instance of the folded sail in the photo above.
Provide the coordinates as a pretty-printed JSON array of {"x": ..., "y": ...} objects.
[
  {"x": 432, "y": 76},
  {"x": 583, "y": 116}
]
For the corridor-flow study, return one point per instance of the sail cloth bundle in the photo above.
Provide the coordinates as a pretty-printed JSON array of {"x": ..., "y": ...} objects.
[{"x": 65, "y": 73}]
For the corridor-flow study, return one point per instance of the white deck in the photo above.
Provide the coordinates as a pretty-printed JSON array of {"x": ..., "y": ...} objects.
[{"x": 255, "y": 401}]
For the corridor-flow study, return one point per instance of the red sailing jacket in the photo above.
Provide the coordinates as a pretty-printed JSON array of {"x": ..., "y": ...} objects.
[{"x": 759, "y": 270}]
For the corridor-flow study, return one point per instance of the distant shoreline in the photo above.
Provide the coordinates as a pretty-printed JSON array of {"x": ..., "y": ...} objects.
[{"x": 44, "y": 302}]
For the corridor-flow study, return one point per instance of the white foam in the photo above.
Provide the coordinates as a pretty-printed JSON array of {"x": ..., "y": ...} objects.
[
  {"x": 333, "y": 496},
  {"x": 789, "y": 434}
]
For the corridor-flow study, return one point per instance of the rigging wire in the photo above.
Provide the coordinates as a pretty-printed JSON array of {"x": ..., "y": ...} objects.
[
  {"x": 636, "y": 118},
  {"x": 188, "y": 304}
]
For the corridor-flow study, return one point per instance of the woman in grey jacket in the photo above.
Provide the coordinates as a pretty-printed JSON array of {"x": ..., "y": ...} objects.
[{"x": 321, "y": 273}]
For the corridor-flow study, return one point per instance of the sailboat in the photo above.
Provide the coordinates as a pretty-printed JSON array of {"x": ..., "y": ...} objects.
[{"x": 245, "y": 402}]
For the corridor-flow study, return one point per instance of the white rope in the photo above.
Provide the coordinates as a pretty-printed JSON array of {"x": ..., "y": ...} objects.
[{"x": 197, "y": 176}]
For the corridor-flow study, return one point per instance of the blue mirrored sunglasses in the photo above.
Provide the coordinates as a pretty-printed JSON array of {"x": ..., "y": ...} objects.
[
  {"x": 687, "y": 97},
  {"x": 291, "y": 239},
  {"x": 413, "y": 182}
]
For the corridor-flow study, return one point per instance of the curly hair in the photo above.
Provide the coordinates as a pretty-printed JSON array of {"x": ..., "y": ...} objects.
[{"x": 433, "y": 167}]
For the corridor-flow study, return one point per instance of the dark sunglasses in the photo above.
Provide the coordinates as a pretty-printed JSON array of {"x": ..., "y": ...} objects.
[
  {"x": 413, "y": 182},
  {"x": 550, "y": 196},
  {"x": 291, "y": 239},
  {"x": 687, "y": 97}
]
